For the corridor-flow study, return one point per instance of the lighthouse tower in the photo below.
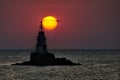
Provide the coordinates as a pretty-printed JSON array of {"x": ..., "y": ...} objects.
[
  {"x": 41, "y": 46},
  {"x": 41, "y": 56}
]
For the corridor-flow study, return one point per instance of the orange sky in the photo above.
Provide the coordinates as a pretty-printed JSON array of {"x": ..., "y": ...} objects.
[{"x": 83, "y": 23}]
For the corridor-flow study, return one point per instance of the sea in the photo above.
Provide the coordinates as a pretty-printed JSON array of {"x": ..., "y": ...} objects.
[{"x": 97, "y": 64}]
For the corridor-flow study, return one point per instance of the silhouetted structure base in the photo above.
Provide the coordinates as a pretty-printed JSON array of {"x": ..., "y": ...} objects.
[
  {"x": 45, "y": 60},
  {"x": 42, "y": 59}
]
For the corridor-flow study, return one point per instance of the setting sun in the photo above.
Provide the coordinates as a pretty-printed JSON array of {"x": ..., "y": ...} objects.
[{"x": 49, "y": 22}]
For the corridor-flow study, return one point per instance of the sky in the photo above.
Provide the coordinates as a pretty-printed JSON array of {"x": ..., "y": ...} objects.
[{"x": 83, "y": 24}]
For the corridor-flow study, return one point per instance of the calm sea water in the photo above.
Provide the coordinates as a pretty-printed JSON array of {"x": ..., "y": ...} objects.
[{"x": 97, "y": 64}]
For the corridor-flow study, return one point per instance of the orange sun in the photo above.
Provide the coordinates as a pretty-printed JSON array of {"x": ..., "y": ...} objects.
[{"x": 49, "y": 22}]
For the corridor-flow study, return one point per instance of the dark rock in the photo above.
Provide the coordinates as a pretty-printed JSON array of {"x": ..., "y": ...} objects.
[
  {"x": 46, "y": 59},
  {"x": 42, "y": 59}
]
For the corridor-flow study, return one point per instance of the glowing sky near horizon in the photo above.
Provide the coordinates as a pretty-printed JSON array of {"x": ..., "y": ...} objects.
[{"x": 91, "y": 24}]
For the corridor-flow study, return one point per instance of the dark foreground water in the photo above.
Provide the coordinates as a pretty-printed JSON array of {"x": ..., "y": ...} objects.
[{"x": 96, "y": 65}]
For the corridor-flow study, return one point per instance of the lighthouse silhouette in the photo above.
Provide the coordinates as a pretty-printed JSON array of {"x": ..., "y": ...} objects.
[
  {"x": 41, "y": 56},
  {"x": 41, "y": 46}
]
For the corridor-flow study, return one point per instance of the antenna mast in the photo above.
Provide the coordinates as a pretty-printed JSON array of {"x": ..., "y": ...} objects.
[{"x": 41, "y": 27}]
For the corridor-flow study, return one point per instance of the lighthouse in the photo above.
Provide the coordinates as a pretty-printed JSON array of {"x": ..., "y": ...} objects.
[
  {"x": 41, "y": 46},
  {"x": 41, "y": 56}
]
